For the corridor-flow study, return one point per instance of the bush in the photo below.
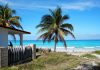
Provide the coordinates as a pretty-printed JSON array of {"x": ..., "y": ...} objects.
[
  {"x": 97, "y": 52},
  {"x": 88, "y": 56}
]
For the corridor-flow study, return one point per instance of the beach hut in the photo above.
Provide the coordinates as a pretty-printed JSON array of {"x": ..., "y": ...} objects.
[{"x": 4, "y": 31}]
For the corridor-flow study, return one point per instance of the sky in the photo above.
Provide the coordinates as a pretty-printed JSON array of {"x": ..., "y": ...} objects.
[{"x": 84, "y": 15}]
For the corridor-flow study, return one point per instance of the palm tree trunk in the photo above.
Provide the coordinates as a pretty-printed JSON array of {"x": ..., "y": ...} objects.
[{"x": 55, "y": 47}]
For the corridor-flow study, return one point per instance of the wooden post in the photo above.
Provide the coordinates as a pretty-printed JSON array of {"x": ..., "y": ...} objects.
[
  {"x": 34, "y": 51},
  {"x": 21, "y": 40},
  {"x": 3, "y": 57}
]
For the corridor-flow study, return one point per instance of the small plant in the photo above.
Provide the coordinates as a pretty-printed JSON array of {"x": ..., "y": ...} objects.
[
  {"x": 88, "y": 56},
  {"x": 97, "y": 52}
]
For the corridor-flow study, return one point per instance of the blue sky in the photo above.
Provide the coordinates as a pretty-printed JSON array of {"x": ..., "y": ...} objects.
[{"x": 84, "y": 15}]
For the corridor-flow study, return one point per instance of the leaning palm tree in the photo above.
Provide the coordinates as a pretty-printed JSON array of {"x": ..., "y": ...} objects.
[
  {"x": 8, "y": 18},
  {"x": 53, "y": 27}
]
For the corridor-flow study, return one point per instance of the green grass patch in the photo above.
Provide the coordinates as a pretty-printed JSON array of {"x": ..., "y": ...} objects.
[
  {"x": 88, "y": 56},
  {"x": 97, "y": 52},
  {"x": 54, "y": 58}
]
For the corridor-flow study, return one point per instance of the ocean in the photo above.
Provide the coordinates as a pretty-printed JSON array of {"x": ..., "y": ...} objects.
[{"x": 70, "y": 43}]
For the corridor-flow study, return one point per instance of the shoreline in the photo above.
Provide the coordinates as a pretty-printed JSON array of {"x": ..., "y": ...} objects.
[{"x": 73, "y": 49}]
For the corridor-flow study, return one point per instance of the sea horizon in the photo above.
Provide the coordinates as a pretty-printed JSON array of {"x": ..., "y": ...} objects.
[{"x": 70, "y": 43}]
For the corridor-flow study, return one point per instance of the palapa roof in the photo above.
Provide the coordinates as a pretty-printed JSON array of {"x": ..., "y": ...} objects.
[{"x": 14, "y": 31}]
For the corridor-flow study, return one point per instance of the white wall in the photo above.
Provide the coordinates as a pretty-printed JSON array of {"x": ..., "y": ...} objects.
[{"x": 3, "y": 37}]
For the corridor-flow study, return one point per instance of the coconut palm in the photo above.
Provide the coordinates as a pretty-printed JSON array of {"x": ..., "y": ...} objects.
[
  {"x": 8, "y": 18},
  {"x": 52, "y": 27}
]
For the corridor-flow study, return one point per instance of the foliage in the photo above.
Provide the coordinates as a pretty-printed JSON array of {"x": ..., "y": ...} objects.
[
  {"x": 8, "y": 18},
  {"x": 52, "y": 27},
  {"x": 97, "y": 52},
  {"x": 88, "y": 56}
]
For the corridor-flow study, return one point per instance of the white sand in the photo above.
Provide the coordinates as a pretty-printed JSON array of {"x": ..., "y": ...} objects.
[
  {"x": 73, "y": 50},
  {"x": 76, "y": 51}
]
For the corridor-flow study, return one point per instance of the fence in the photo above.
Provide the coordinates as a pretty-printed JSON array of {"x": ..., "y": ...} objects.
[{"x": 19, "y": 55}]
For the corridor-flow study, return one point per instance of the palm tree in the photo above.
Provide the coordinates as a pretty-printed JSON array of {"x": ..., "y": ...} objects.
[
  {"x": 53, "y": 27},
  {"x": 8, "y": 18}
]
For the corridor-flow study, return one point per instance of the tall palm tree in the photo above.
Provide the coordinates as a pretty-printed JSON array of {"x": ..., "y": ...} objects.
[
  {"x": 8, "y": 18},
  {"x": 53, "y": 27}
]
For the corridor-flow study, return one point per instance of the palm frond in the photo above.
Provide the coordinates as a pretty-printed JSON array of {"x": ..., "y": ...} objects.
[
  {"x": 62, "y": 39},
  {"x": 44, "y": 36},
  {"x": 42, "y": 30},
  {"x": 68, "y": 32},
  {"x": 16, "y": 24},
  {"x": 43, "y": 25},
  {"x": 52, "y": 13},
  {"x": 46, "y": 19},
  {"x": 67, "y": 26},
  {"x": 65, "y": 17},
  {"x": 13, "y": 36}
]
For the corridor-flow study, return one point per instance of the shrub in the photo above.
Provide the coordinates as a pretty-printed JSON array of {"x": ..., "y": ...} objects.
[
  {"x": 97, "y": 52},
  {"x": 88, "y": 56}
]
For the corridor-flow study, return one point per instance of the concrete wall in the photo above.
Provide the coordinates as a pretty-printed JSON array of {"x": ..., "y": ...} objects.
[
  {"x": 3, "y": 57},
  {"x": 3, "y": 37}
]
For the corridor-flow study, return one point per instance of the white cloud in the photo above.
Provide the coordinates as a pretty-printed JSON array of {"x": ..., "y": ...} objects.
[{"x": 76, "y": 5}]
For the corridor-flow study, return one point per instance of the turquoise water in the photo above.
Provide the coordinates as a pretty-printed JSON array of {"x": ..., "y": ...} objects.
[{"x": 70, "y": 43}]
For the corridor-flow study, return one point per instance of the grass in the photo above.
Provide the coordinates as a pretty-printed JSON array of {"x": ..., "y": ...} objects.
[
  {"x": 50, "y": 61},
  {"x": 97, "y": 52},
  {"x": 88, "y": 56}
]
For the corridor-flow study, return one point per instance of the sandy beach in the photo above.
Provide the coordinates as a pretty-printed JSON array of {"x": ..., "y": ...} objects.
[
  {"x": 78, "y": 51},
  {"x": 74, "y": 51}
]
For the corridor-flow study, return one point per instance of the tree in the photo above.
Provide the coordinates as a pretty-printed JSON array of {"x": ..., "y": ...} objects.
[
  {"x": 8, "y": 18},
  {"x": 52, "y": 27}
]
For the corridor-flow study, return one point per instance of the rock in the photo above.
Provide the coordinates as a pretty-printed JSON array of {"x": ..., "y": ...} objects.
[
  {"x": 88, "y": 66},
  {"x": 94, "y": 63},
  {"x": 78, "y": 68}
]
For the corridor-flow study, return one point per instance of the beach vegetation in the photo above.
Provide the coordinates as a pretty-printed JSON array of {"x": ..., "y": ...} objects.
[
  {"x": 51, "y": 61},
  {"x": 89, "y": 56},
  {"x": 8, "y": 18},
  {"x": 53, "y": 28},
  {"x": 97, "y": 52}
]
